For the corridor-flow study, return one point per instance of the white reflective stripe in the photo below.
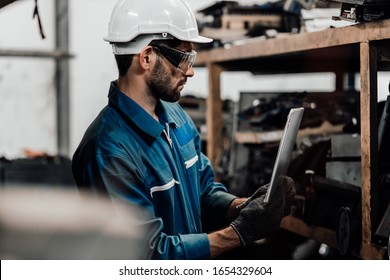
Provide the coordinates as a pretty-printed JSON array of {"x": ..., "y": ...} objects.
[
  {"x": 167, "y": 186},
  {"x": 191, "y": 162}
]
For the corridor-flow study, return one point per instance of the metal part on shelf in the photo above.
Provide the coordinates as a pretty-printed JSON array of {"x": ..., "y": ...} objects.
[
  {"x": 388, "y": 247},
  {"x": 345, "y": 230},
  {"x": 344, "y": 164},
  {"x": 384, "y": 121},
  {"x": 345, "y": 171},
  {"x": 228, "y": 21},
  {"x": 383, "y": 230},
  {"x": 54, "y": 171},
  {"x": 363, "y": 10},
  {"x": 324, "y": 198},
  {"x": 345, "y": 145}
]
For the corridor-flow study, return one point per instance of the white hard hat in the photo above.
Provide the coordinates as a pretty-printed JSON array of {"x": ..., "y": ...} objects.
[{"x": 135, "y": 23}]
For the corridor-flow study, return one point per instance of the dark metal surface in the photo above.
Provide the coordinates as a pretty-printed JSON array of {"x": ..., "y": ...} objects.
[
  {"x": 388, "y": 247},
  {"x": 345, "y": 230},
  {"x": 362, "y": 2},
  {"x": 363, "y": 10}
]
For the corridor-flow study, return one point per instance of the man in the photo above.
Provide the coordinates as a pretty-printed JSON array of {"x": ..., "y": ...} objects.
[{"x": 144, "y": 149}]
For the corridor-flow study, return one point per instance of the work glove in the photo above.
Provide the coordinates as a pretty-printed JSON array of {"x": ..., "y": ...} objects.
[
  {"x": 286, "y": 182},
  {"x": 258, "y": 219}
]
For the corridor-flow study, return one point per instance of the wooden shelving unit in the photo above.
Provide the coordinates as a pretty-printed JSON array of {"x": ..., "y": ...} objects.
[{"x": 363, "y": 48}]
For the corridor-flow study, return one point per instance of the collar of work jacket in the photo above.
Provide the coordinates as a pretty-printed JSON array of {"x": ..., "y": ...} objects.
[{"x": 137, "y": 115}]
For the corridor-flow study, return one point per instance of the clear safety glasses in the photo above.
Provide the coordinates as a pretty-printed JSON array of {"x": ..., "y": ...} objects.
[{"x": 181, "y": 60}]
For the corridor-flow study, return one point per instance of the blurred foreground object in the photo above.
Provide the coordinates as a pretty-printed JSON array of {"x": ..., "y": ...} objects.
[{"x": 42, "y": 223}]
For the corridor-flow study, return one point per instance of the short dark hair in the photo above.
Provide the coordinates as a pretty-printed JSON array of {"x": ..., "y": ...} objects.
[
  {"x": 123, "y": 61},
  {"x": 172, "y": 43}
]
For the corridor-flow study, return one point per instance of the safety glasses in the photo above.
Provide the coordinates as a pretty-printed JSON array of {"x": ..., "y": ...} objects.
[{"x": 181, "y": 60}]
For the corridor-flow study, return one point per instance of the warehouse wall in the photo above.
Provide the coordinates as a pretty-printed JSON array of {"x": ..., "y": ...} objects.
[
  {"x": 27, "y": 106},
  {"x": 27, "y": 100}
]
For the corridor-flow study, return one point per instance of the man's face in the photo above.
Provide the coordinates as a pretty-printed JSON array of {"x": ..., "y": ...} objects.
[{"x": 166, "y": 82}]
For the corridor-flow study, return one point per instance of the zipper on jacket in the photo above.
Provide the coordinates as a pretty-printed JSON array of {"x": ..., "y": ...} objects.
[{"x": 167, "y": 135}]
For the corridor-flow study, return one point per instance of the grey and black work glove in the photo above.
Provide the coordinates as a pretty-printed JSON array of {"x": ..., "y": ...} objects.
[
  {"x": 287, "y": 183},
  {"x": 259, "y": 219}
]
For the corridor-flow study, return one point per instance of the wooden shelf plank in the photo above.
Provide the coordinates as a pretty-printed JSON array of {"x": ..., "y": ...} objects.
[
  {"x": 332, "y": 37},
  {"x": 320, "y": 234},
  {"x": 274, "y": 136},
  {"x": 35, "y": 53},
  {"x": 248, "y": 137},
  {"x": 368, "y": 251}
]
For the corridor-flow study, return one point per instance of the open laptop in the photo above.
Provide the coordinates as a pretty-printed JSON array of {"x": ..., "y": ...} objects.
[{"x": 285, "y": 150}]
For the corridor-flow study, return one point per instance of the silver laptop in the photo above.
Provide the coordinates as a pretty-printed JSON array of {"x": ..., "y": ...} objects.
[{"x": 285, "y": 150}]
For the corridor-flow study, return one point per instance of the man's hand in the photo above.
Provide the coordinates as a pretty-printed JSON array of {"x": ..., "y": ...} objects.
[
  {"x": 260, "y": 191},
  {"x": 259, "y": 219},
  {"x": 286, "y": 183}
]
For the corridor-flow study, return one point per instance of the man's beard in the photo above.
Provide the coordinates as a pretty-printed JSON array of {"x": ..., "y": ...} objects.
[{"x": 160, "y": 84}]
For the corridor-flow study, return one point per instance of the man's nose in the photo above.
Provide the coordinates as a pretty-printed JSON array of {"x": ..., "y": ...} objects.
[{"x": 190, "y": 72}]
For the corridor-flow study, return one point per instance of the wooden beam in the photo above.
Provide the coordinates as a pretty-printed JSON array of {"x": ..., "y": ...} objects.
[
  {"x": 372, "y": 252},
  {"x": 320, "y": 234},
  {"x": 293, "y": 43},
  {"x": 62, "y": 77},
  {"x": 369, "y": 144},
  {"x": 248, "y": 137},
  {"x": 214, "y": 114},
  {"x": 32, "y": 53}
]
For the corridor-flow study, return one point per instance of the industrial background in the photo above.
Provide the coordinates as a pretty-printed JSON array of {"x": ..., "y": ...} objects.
[{"x": 331, "y": 57}]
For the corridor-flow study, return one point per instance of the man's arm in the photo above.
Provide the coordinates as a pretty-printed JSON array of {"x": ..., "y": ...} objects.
[
  {"x": 223, "y": 241},
  {"x": 226, "y": 239}
]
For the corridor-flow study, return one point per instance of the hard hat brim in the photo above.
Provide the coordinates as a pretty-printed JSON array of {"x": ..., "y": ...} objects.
[
  {"x": 201, "y": 40},
  {"x": 135, "y": 46}
]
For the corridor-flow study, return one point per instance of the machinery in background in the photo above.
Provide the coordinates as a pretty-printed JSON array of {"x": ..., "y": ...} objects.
[
  {"x": 363, "y": 10},
  {"x": 326, "y": 166},
  {"x": 196, "y": 108},
  {"x": 42, "y": 170},
  {"x": 333, "y": 200},
  {"x": 228, "y": 21}
]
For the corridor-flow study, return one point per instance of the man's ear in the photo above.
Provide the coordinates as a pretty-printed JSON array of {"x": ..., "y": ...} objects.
[{"x": 145, "y": 57}]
